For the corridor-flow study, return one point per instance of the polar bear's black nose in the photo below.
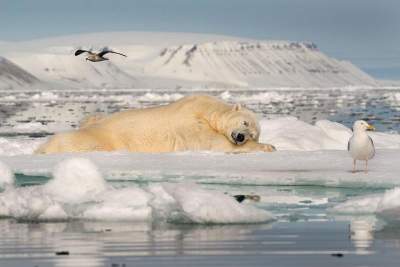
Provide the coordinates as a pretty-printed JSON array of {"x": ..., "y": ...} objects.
[{"x": 240, "y": 137}]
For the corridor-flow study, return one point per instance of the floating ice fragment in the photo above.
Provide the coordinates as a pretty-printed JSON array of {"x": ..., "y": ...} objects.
[
  {"x": 75, "y": 180},
  {"x": 78, "y": 191},
  {"x": 6, "y": 176},
  {"x": 208, "y": 206},
  {"x": 386, "y": 205}
]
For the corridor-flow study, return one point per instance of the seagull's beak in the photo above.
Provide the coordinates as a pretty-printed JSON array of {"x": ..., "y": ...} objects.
[{"x": 370, "y": 127}]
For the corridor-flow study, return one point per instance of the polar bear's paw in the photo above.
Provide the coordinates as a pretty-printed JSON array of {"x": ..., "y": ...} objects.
[
  {"x": 251, "y": 146},
  {"x": 268, "y": 148}
]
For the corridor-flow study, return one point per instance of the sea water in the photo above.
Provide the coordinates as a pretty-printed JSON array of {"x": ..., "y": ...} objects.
[{"x": 149, "y": 210}]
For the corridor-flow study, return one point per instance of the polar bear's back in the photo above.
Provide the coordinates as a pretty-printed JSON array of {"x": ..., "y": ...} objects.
[{"x": 184, "y": 110}]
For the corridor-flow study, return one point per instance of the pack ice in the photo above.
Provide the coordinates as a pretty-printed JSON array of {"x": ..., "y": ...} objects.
[{"x": 78, "y": 191}]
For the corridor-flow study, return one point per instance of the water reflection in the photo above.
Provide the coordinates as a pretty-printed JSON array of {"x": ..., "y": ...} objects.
[
  {"x": 95, "y": 244},
  {"x": 362, "y": 233}
]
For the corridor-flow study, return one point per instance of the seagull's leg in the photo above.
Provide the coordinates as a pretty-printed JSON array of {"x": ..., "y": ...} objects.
[
  {"x": 366, "y": 166},
  {"x": 354, "y": 165}
]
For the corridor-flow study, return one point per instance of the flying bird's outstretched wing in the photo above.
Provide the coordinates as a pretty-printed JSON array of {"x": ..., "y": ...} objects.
[
  {"x": 102, "y": 53},
  {"x": 80, "y": 51}
]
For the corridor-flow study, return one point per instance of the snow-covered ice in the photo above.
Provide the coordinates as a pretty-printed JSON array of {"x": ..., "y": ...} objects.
[
  {"x": 17, "y": 146},
  {"x": 75, "y": 180},
  {"x": 324, "y": 168},
  {"x": 386, "y": 205},
  {"x": 6, "y": 176},
  {"x": 78, "y": 191},
  {"x": 307, "y": 155},
  {"x": 289, "y": 133}
]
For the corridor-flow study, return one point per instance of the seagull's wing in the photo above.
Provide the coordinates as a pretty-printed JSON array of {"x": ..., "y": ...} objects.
[
  {"x": 349, "y": 144},
  {"x": 373, "y": 145},
  {"x": 372, "y": 141},
  {"x": 80, "y": 51},
  {"x": 102, "y": 53}
]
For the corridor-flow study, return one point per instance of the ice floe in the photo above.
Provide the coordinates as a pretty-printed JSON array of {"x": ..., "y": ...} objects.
[
  {"x": 323, "y": 168},
  {"x": 289, "y": 133},
  {"x": 386, "y": 205},
  {"x": 78, "y": 191},
  {"x": 307, "y": 155}
]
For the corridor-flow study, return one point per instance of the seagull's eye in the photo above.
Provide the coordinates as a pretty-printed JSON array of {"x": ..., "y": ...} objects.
[{"x": 245, "y": 123}]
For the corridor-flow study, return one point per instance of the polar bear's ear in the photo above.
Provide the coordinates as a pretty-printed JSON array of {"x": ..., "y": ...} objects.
[{"x": 237, "y": 107}]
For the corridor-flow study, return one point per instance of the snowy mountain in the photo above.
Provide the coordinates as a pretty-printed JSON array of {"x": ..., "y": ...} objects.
[
  {"x": 70, "y": 71},
  {"x": 12, "y": 76},
  {"x": 257, "y": 64},
  {"x": 170, "y": 60}
]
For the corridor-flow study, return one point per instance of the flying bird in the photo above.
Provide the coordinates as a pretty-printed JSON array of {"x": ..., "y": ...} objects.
[
  {"x": 360, "y": 145},
  {"x": 96, "y": 57}
]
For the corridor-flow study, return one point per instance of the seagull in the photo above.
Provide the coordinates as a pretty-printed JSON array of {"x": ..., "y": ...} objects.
[
  {"x": 361, "y": 146},
  {"x": 96, "y": 57}
]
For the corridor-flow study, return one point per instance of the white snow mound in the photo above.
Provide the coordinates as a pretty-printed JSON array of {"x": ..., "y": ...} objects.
[{"x": 75, "y": 180}]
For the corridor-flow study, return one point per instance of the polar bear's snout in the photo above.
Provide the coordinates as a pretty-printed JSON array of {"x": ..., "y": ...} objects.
[{"x": 239, "y": 137}]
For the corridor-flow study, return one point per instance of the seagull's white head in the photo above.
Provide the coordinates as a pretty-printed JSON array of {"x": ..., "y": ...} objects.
[{"x": 362, "y": 126}]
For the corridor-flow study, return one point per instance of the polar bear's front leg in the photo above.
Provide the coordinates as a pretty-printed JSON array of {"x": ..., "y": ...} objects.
[{"x": 252, "y": 146}]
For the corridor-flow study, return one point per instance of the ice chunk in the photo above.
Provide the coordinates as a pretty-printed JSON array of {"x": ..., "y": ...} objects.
[
  {"x": 154, "y": 97},
  {"x": 78, "y": 191},
  {"x": 54, "y": 212},
  {"x": 336, "y": 131},
  {"x": 19, "y": 146},
  {"x": 390, "y": 199},
  {"x": 6, "y": 175},
  {"x": 116, "y": 211},
  {"x": 359, "y": 205},
  {"x": 28, "y": 127},
  {"x": 24, "y": 203},
  {"x": 387, "y": 205},
  {"x": 131, "y": 203},
  {"x": 289, "y": 133},
  {"x": 75, "y": 180},
  {"x": 207, "y": 206}
]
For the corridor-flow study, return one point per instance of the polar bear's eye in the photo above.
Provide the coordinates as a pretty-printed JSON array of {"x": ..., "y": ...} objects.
[{"x": 245, "y": 123}]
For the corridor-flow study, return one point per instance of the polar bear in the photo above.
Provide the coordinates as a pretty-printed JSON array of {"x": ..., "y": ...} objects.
[{"x": 195, "y": 123}]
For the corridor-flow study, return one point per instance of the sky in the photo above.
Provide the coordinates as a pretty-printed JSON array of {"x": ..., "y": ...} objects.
[{"x": 366, "y": 32}]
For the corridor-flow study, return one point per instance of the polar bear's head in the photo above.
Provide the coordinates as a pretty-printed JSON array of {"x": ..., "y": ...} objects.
[{"x": 241, "y": 125}]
